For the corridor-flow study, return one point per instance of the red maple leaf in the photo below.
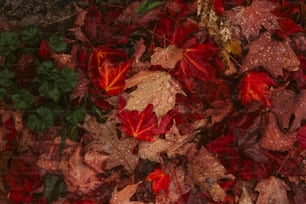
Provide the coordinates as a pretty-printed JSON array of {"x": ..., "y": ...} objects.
[
  {"x": 140, "y": 125},
  {"x": 112, "y": 79},
  {"x": 195, "y": 64},
  {"x": 255, "y": 86},
  {"x": 218, "y": 6},
  {"x": 160, "y": 180},
  {"x": 107, "y": 69}
]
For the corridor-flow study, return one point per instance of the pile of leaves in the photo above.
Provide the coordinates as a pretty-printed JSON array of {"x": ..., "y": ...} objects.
[{"x": 156, "y": 102}]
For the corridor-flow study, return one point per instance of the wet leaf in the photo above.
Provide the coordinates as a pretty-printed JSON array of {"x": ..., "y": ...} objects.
[
  {"x": 123, "y": 196},
  {"x": 168, "y": 57},
  {"x": 272, "y": 190},
  {"x": 272, "y": 55},
  {"x": 140, "y": 125}
]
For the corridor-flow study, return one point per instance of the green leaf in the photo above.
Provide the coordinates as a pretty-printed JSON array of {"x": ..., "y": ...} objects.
[
  {"x": 45, "y": 68},
  {"x": 147, "y": 5},
  {"x": 22, "y": 99},
  {"x": 54, "y": 187},
  {"x": 30, "y": 36},
  {"x": 57, "y": 43},
  {"x": 6, "y": 77},
  {"x": 49, "y": 90},
  {"x": 9, "y": 42},
  {"x": 68, "y": 80},
  {"x": 77, "y": 116},
  {"x": 2, "y": 93},
  {"x": 41, "y": 119}
]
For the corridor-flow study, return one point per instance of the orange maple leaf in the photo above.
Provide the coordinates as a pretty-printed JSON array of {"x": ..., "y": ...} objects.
[
  {"x": 141, "y": 125},
  {"x": 160, "y": 180},
  {"x": 255, "y": 86}
]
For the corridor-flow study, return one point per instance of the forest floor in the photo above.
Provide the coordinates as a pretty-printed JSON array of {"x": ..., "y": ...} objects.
[{"x": 166, "y": 102}]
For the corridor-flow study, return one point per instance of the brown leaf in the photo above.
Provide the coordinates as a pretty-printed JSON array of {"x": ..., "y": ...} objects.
[
  {"x": 289, "y": 108},
  {"x": 252, "y": 18},
  {"x": 123, "y": 196},
  {"x": 81, "y": 89},
  {"x": 245, "y": 197},
  {"x": 206, "y": 171},
  {"x": 49, "y": 154},
  {"x": 140, "y": 48},
  {"x": 167, "y": 57},
  {"x": 163, "y": 89},
  {"x": 122, "y": 155},
  {"x": 273, "y": 139},
  {"x": 272, "y": 191},
  {"x": 174, "y": 144},
  {"x": 218, "y": 111},
  {"x": 272, "y": 55},
  {"x": 179, "y": 184},
  {"x": 103, "y": 133},
  {"x": 79, "y": 177}
]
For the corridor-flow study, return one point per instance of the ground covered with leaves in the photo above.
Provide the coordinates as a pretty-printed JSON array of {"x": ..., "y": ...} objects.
[{"x": 167, "y": 102}]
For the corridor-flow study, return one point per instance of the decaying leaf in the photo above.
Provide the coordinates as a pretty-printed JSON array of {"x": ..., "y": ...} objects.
[
  {"x": 271, "y": 54},
  {"x": 289, "y": 108},
  {"x": 140, "y": 48},
  {"x": 163, "y": 89},
  {"x": 81, "y": 89},
  {"x": 179, "y": 185},
  {"x": 273, "y": 139},
  {"x": 79, "y": 177},
  {"x": 245, "y": 197},
  {"x": 206, "y": 171},
  {"x": 152, "y": 150},
  {"x": 272, "y": 191},
  {"x": 103, "y": 133},
  {"x": 167, "y": 57},
  {"x": 122, "y": 155},
  {"x": 123, "y": 196},
  {"x": 49, "y": 154},
  {"x": 252, "y": 18}
]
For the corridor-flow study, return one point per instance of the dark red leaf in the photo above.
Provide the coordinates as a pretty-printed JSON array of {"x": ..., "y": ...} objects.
[
  {"x": 92, "y": 22},
  {"x": 218, "y": 6},
  {"x": 255, "y": 86},
  {"x": 140, "y": 125},
  {"x": 43, "y": 51},
  {"x": 301, "y": 136},
  {"x": 288, "y": 26}
]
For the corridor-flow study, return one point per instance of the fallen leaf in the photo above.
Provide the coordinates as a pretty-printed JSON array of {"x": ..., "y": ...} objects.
[
  {"x": 272, "y": 137},
  {"x": 167, "y": 57},
  {"x": 252, "y": 18},
  {"x": 122, "y": 155},
  {"x": 163, "y": 89},
  {"x": 160, "y": 181},
  {"x": 255, "y": 86},
  {"x": 196, "y": 64},
  {"x": 81, "y": 89},
  {"x": 179, "y": 185},
  {"x": 141, "y": 125},
  {"x": 206, "y": 170},
  {"x": 301, "y": 136},
  {"x": 271, "y": 54},
  {"x": 272, "y": 190},
  {"x": 123, "y": 196},
  {"x": 79, "y": 177},
  {"x": 245, "y": 197},
  {"x": 139, "y": 48},
  {"x": 289, "y": 108}
]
